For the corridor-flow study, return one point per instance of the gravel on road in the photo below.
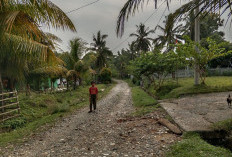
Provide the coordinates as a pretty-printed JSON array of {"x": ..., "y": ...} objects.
[{"x": 110, "y": 131}]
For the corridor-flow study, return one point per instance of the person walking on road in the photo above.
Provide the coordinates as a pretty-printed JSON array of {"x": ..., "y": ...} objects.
[{"x": 93, "y": 93}]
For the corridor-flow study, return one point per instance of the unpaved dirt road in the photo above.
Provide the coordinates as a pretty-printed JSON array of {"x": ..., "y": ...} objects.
[{"x": 107, "y": 132}]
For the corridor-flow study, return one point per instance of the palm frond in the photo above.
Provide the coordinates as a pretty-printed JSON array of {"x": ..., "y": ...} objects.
[
  {"x": 50, "y": 70},
  {"x": 43, "y": 12},
  {"x": 16, "y": 44}
]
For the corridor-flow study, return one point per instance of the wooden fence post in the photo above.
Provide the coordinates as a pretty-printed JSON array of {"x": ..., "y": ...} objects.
[{"x": 9, "y": 106}]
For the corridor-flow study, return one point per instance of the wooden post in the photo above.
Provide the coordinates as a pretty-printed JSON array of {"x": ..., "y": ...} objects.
[
  {"x": 2, "y": 104},
  {"x": 1, "y": 91},
  {"x": 12, "y": 106},
  {"x": 197, "y": 40},
  {"x": 17, "y": 100}
]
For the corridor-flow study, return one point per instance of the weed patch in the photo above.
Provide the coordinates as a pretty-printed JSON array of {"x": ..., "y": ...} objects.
[{"x": 143, "y": 102}]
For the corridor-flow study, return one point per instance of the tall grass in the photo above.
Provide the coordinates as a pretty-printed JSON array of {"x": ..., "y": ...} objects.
[{"x": 185, "y": 86}]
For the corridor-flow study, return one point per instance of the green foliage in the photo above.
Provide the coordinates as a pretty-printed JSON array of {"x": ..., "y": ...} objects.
[
  {"x": 58, "y": 108},
  {"x": 103, "y": 52},
  {"x": 222, "y": 61},
  {"x": 121, "y": 62},
  {"x": 223, "y": 125},
  {"x": 143, "y": 41},
  {"x": 105, "y": 75},
  {"x": 209, "y": 25},
  {"x": 193, "y": 146},
  {"x": 202, "y": 57},
  {"x": 171, "y": 33},
  {"x": 156, "y": 66},
  {"x": 166, "y": 88},
  {"x": 141, "y": 98},
  {"x": 14, "y": 123},
  {"x": 143, "y": 102},
  {"x": 185, "y": 87},
  {"x": 77, "y": 48},
  {"x": 24, "y": 46}
]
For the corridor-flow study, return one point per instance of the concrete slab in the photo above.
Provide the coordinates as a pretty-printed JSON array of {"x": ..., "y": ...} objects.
[{"x": 199, "y": 112}]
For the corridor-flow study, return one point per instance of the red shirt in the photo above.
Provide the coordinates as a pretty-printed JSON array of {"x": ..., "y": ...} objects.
[{"x": 93, "y": 90}]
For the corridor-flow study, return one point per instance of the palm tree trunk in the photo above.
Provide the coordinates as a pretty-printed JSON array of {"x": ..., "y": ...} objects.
[
  {"x": 197, "y": 39},
  {"x": 28, "y": 90},
  {"x": 67, "y": 84},
  {"x": 1, "y": 83},
  {"x": 75, "y": 83},
  {"x": 1, "y": 91}
]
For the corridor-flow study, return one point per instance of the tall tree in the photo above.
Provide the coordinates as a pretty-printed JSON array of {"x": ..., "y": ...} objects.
[
  {"x": 72, "y": 60},
  {"x": 172, "y": 33},
  {"x": 142, "y": 42},
  {"x": 103, "y": 52},
  {"x": 209, "y": 25},
  {"x": 194, "y": 6},
  {"x": 21, "y": 36},
  {"x": 209, "y": 6}
]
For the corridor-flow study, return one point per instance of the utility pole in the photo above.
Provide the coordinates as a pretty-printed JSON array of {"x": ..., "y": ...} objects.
[{"x": 197, "y": 40}]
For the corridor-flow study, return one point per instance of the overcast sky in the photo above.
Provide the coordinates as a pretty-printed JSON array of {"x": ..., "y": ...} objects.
[{"x": 103, "y": 16}]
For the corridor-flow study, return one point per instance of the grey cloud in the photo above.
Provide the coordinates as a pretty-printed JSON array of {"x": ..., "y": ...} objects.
[{"x": 102, "y": 16}]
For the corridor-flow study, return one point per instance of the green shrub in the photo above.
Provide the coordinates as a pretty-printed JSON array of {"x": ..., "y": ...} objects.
[
  {"x": 163, "y": 90},
  {"x": 64, "y": 108},
  {"x": 53, "y": 108},
  {"x": 57, "y": 108},
  {"x": 105, "y": 75},
  {"x": 225, "y": 125},
  {"x": 227, "y": 73},
  {"x": 14, "y": 123},
  {"x": 60, "y": 100}
]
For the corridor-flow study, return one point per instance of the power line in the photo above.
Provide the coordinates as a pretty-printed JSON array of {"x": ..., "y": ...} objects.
[
  {"x": 82, "y": 7},
  {"x": 162, "y": 16},
  {"x": 144, "y": 23}
]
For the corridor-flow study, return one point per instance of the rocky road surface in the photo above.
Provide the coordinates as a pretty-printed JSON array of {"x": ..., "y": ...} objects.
[{"x": 110, "y": 131}]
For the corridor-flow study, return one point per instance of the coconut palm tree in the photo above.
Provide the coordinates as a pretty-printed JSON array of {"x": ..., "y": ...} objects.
[
  {"x": 193, "y": 6},
  {"x": 131, "y": 6},
  {"x": 99, "y": 45},
  {"x": 73, "y": 62},
  {"x": 171, "y": 33},
  {"x": 21, "y": 37},
  {"x": 142, "y": 42},
  {"x": 99, "y": 41}
]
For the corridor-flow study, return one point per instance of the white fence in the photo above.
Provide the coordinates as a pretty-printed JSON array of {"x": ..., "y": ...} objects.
[{"x": 210, "y": 72}]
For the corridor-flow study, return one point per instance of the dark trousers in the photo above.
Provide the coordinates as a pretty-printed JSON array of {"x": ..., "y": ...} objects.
[{"x": 93, "y": 103}]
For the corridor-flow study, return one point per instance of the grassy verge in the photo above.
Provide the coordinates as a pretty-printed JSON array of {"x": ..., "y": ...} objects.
[
  {"x": 186, "y": 86},
  {"x": 223, "y": 125},
  {"x": 40, "y": 109},
  {"x": 193, "y": 146},
  {"x": 143, "y": 102}
]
